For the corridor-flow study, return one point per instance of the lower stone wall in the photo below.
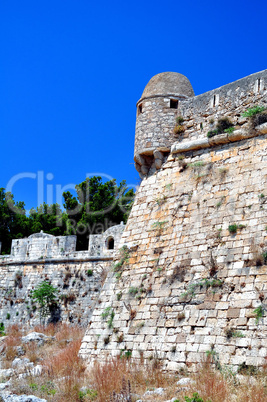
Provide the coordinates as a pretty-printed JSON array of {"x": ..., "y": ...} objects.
[
  {"x": 79, "y": 283},
  {"x": 193, "y": 270}
]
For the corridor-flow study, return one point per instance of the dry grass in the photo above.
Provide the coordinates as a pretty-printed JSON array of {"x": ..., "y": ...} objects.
[
  {"x": 64, "y": 374},
  {"x": 14, "y": 330},
  {"x": 253, "y": 393},
  {"x": 107, "y": 378},
  {"x": 14, "y": 333},
  {"x": 64, "y": 361},
  {"x": 68, "y": 369},
  {"x": 69, "y": 332},
  {"x": 217, "y": 387},
  {"x": 211, "y": 384},
  {"x": 49, "y": 330},
  {"x": 32, "y": 352}
]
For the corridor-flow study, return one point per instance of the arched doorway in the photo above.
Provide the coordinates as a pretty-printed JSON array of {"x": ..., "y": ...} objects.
[{"x": 110, "y": 243}]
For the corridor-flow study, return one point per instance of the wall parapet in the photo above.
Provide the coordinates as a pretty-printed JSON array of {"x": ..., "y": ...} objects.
[
  {"x": 219, "y": 139},
  {"x": 45, "y": 247}
]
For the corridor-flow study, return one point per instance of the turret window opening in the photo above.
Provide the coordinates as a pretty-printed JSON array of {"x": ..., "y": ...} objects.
[
  {"x": 110, "y": 243},
  {"x": 173, "y": 103},
  {"x": 259, "y": 85},
  {"x": 140, "y": 109}
]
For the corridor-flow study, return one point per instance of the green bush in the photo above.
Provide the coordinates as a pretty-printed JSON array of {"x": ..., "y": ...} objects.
[
  {"x": 264, "y": 255},
  {"x": 198, "y": 164},
  {"x": 179, "y": 119},
  {"x": 106, "y": 312},
  {"x": 124, "y": 254},
  {"x": 195, "y": 398},
  {"x": 2, "y": 329},
  {"x": 119, "y": 296},
  {"x": 230, "y": 332},
  {"x": 8, "y": 316},
  {"x": 125, "y": 354},
  {"x": 259, "y": 118},
  {"x": 229, "y": 130},
  {"x": 253, "y": 111},
  {"x": 133, "y": 291},
  {"x": 224, "y": 125},
  {"x": 159, "y": 225},
  {"x": 233, "y": 228},
  {"x": 89, "y": 393},
  {"x": 110, "y": 320},
  {"x": 45, "y": 295},
  {"x": 89, "y": 272},
  {"x": 259, "y": 311}
]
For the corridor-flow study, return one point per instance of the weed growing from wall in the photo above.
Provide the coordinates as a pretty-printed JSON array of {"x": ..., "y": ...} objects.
[
  {"x": 2, "y": 329},
  {"x": 108, "y": 314},
  {"x": 259, "y": 311},
  {"x": 207, "y": 283},
  {"x": 234, "y": 227},
  {"x": 231, "y": 333},
  {"x": 133, "y": 291},
  {"x": 253, "y": 111},
  {"x": 159, "y": 225},
  {"x": 224, "y": 125},
  {"x": 179, "y": 128},
  {"x": 124, "y": 254}
]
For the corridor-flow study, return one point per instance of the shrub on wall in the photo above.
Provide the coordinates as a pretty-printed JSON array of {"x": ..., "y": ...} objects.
[{"x": 224, "y": 125}]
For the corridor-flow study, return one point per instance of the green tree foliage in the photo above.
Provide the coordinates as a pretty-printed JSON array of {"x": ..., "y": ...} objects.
[
  {"x": 96, "y": 206},
  {"x": 14, "y": 223},
  {"x": 48, "y": 218},
  {"x": 45, "y": 295}
]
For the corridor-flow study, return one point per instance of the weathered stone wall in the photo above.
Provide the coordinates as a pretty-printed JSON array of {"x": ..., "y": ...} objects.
[
  {"x": 202, "y": 112},
  {"x": 78, "y": 281},
  {"x": 78, "y": 275},
  {"x": 189, "y": 284}
]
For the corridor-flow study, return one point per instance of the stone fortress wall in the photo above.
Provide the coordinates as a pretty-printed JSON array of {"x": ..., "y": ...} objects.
[
  {"x": 191, "y": 269},
  {"x": 162, "y": 101},
  {"x": 78, "y": 275}
]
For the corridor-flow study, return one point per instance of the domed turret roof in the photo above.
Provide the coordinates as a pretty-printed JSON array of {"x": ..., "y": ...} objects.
[
  {"x": 41, "y": 234},
  {"x": 168, "y": 84}
]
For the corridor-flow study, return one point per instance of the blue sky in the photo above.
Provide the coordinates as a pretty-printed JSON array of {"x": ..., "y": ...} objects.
[{"x": 71, "y": 73}]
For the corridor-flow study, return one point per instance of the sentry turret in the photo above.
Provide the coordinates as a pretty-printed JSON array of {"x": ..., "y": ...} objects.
[{"x": 155, "y": 120}]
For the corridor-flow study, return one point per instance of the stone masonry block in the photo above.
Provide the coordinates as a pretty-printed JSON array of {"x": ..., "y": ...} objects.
[{"x": 233, "y": 313}]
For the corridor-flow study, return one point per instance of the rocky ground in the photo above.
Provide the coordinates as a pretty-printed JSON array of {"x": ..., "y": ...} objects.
[{"x": 42, "y": 365}]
